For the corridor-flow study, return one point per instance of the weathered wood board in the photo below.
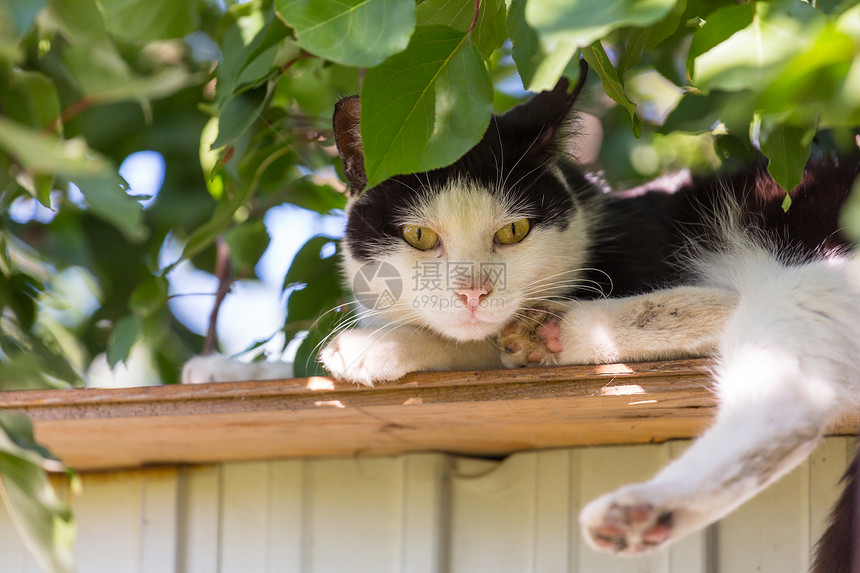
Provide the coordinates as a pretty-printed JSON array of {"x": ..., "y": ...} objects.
[{"x": 483, "y": 413}]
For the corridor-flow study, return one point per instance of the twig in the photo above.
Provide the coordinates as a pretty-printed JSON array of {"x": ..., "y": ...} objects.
[
  {"x": 70, "y": 112},
  {"x": 475, "y": 16},
  {"x": 301, "y": 56},
  {"x": 224, "y": 272}
]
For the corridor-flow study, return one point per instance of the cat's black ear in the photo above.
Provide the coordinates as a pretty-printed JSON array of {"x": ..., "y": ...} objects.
[
  {"x": 347, "y": 137},
  {"x": 539, "y": 119}
]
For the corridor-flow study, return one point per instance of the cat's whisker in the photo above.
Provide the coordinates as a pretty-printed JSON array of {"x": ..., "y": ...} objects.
[{"x": 522, "y": 156}]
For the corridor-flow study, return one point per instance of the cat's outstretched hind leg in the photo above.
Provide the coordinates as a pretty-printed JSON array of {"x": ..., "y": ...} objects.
[
  {"x": 739, "y": 456},
  {"x": 785, "y": 372}
]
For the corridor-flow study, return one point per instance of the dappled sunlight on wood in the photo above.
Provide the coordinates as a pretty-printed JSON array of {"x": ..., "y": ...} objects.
[
  {"x": 319, "y": 383},
  {"x": 613, "y": 369},
  {"x": 622, "y": 390}
]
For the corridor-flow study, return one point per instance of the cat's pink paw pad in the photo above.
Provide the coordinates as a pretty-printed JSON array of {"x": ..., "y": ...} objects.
[
  {"x": 627, "y": 529},
  {"x": 549, "y": 333},
  {"x": 534, "y": 338}
]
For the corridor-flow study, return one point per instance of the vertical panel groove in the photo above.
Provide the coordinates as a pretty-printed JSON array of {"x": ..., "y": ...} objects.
[
  {"x": 182, "y": 521},
  {"x": 445, "y": 499},
  {"x": 307, "y": 539},
  {"x": 220, "y": 525}
]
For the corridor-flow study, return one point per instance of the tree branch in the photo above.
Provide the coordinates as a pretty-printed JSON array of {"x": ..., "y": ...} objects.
[{"x": 224, "y": 272}]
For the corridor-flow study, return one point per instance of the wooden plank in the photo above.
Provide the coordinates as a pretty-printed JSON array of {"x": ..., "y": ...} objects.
[
  {"x": 556, "y": 523},
  {"x": 199, "y": 519},
  {"x": 159, "y": 521},
  {"x": 244, "y": 517},
  {"x": 113, "y": 544},
  {"x": 493, "y": 515},
  {"x": 425, "y": 512},
  {"x": 354, "y": 515},
  {"x": 771, "y": 531},
  {"x": 473, "y": 413},
  {"x": 693, "y": 553},
  {"x": 14, "y": 555},
  {"x": 286, "y": 517}
]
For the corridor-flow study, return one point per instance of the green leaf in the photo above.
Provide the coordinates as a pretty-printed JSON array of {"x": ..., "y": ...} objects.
[
  {"x": 787, "y": 148},
  {"x": 42, "y": 153},
  {"x": 306, "y": 268},
  {"x": 309, "y": 195},
  {"x": 637, "y": 40},
  {"x": 126, "y": 332},
  {"x": 540, "y": 62},
  {"x": 741, "y": 46},
  {"x": 425, "y": 107},
  {"x": 582, "y": 22},
  {"x": 150, "y": 20},
  {"x": 107, "y": 197},
  {"x": 247, "y": 66},
  {"x": 312, "y": 306},
  {"x": 149, "y": 297},
  {"x": 18, "y": 429},
  {"x": 719, "y": 26},
  {"x": 239, "y": 114},
  {"x": 597, "y": 59},
  {"x": 18, "y": 293},
  {"x": 205, "y": 234},
  {"x": 247, "y": 243},
  {"x": 30, "y": 98},
  {"x": 696, "y": 112},
  {"x": 350, "y": 32},
  {"x": 44, "y": 523},
  {"x": 489, "y": 32},
  {"x": 306, "y": 362},
  {"x": 814, "y": 77}
]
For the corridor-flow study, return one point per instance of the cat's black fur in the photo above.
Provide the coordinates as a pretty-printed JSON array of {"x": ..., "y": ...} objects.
[
  {"x": 641, "y": 243},
  {"x": 836, "y": 551}
]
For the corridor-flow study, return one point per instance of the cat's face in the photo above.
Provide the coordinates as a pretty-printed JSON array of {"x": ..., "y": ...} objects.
[
  {"x": 482, "y": 255},
  {"x": 462, "y": 249}
]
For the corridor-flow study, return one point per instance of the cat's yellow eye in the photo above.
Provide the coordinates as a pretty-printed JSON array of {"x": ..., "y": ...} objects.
[
  {"x": 513, "y": 232},
  {"x": 420, "y": 237}
]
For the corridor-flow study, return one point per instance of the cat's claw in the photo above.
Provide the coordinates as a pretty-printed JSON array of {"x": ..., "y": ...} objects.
[
  {"x": 533, "y": 339},
  {"x": 624, "y": 525}
]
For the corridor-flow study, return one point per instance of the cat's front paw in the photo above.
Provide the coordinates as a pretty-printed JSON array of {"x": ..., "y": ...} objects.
[
  {"x": 627, "y": 522},
  {"x": 534, "y": 338},
  {"x": 366, "y": 358}
]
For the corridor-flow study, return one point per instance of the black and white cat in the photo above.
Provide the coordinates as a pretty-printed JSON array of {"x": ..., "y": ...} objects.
[{"x": 512, "y": 255}]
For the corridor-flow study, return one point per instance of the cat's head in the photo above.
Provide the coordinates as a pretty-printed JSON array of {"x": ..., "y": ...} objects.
[{"x": 463, "y": 248}]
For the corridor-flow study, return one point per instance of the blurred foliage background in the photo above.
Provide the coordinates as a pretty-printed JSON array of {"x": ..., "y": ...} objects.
[{"x": 142, "y": 142}]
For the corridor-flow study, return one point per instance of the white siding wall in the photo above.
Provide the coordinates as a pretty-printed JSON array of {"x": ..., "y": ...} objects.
[{"x": 419, "y": 513}]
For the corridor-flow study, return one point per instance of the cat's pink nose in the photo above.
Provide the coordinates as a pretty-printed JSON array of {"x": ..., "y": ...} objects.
[{"x": 472, "y": 297}]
